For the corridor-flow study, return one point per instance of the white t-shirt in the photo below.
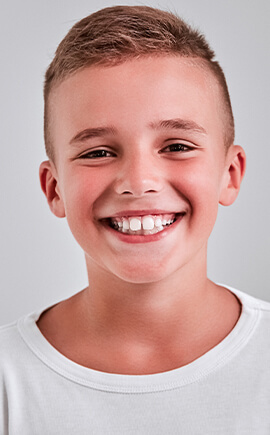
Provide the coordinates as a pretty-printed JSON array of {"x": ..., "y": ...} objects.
[{"x": 226, "y": 391}]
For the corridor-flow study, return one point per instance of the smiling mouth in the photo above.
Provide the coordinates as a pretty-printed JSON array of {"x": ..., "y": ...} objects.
[{"x": 143, "y": 225}]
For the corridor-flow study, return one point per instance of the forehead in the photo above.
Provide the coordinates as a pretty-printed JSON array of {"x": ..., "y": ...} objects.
[{"x": 135, "y": 93}]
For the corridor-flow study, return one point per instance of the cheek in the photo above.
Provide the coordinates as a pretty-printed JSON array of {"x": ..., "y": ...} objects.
[
  {"x": 83, "y": 189},
  {"x": 199, "y": 183}
]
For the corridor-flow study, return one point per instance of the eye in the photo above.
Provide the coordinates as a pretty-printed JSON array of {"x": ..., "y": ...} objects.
[
  {"x": 177, "y": 147},
  {"x": 97, "y": 154}
]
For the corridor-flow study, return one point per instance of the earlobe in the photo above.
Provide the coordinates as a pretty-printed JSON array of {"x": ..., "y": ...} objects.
[
  {"x": 49, "y": 186},
  {"x": 233, "y": 175}
]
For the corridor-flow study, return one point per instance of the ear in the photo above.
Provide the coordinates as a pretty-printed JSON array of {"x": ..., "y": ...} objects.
[
  {"x": 233, "y": 175},
  {"x": 49, "y": 185}
]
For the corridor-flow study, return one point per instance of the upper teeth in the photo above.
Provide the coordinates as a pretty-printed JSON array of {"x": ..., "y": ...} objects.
[{"x": 136, "y": 223}]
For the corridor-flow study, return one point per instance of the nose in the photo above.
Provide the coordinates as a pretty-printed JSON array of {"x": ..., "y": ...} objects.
[{"x": 139, "y": 174}]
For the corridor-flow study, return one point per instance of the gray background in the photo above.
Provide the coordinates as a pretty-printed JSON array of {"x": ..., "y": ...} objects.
[{"x": 40, "y": 261}]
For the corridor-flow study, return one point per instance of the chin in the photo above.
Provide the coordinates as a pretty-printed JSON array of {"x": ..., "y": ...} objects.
[{"x": 143, "y": 274}]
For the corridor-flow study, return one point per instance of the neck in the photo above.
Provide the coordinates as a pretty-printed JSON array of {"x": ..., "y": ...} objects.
[
  {"x": 145, "y": 308},
  {"x": 121, "y": 327}
]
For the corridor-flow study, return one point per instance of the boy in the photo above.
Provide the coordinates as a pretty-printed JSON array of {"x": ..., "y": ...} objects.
[{"x": 139, "y": 133}]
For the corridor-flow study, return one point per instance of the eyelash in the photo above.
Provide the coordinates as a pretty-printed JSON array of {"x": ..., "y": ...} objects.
[
  {"x": 97, "y": 154},
  {"x": 102, "y": 153},
  {"x": 179, "y": 147}
]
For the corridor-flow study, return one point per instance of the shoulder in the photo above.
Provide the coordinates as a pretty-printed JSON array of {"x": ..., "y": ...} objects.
[
  {"x": 250, "y": 302},
  {"x": 256, "y": 312},
  {"x": 253, "y": 303},
  {"x": 11, "y": 353},
  {"x": 14, "y": 344},
  {"x": 10, "y": 344},
  {"x": 8, "y": 335},
  {"x": 255, "y": 315}
]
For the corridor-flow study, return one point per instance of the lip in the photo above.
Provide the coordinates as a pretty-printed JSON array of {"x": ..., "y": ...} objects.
[{"x": 133, "y": 238}]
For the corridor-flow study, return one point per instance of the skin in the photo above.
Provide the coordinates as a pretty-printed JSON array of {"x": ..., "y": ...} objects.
[{"x": 143, "y": 298}]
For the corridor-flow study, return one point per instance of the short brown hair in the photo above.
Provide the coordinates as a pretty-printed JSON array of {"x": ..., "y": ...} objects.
[{"x": 116, "y": 34}]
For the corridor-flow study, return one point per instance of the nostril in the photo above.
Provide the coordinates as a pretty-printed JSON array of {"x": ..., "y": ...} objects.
[
  {"x": 137, "y": 186},
  {"x": 150, "y": 191}
]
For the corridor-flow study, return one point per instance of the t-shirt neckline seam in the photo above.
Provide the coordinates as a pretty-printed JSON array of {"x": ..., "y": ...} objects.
[{"x": 183, "y": 376}]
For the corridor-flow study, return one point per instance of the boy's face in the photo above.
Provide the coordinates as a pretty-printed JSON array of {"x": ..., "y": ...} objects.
[{"x": 144, "y": 138}]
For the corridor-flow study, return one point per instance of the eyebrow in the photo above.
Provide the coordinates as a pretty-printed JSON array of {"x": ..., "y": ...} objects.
[
  {"x": 178, "y": 124},
  {"x": 168, "y": 124},
  {"x": 89, "y": 133}
]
